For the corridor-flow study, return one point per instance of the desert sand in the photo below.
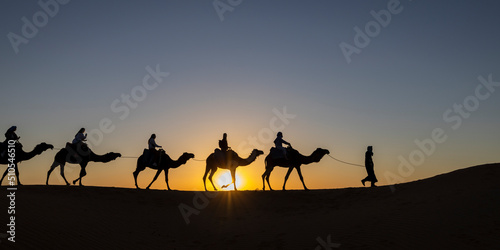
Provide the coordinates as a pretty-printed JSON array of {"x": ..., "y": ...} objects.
[{"x": 457, "y": 210}]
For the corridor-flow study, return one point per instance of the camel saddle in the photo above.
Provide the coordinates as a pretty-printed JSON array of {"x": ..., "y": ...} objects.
[
  {"x": 223, "y": 156},
  {"x": 149, "y": 156},
  {"x": 277, "y": 153},
  {"x": 77, "y": 147}
]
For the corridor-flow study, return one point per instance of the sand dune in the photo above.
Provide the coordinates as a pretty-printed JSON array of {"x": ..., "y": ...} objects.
[{"x": 458, "y": 210}]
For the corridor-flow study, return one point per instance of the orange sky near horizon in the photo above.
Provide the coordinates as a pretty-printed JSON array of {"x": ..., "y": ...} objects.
[
  {"x": 326, "y": 174},
  {"x": 424, "y": 92}
]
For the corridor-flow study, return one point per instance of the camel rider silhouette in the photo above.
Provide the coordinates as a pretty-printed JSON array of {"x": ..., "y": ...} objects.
[
  {"x": 224, "y": 148},
  {"x": 152, "y": 149},
  {"x": 78, "y": 144},
  {"x": 81, "y": 136},
  {"x": 10, "y": 135},
  {"x": 223, "y": 143},
  {"x": 278, "y": 144}
]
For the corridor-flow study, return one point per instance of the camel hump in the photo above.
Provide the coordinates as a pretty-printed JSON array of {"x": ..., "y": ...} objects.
[
  {"x": 70, "y": 147},
  {"x": 147, "y": 153},
  {"x": 224, "y": 156},
  {"x": 79, "y": 147},
  {"x": 219, "y": 155}
]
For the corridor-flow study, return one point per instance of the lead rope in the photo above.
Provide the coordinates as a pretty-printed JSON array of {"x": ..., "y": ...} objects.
[
  {"x": 346, "y": 162},
  {"x": 135, "y": 157}
]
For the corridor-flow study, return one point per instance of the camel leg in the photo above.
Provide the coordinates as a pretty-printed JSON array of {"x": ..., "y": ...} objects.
[
  {"x": 17, "y": 175},
  {"x": 140, "y": 167},
  {"x": 210, "y": 178},
  {"x": 301, "y": 178},
  {"x": 4, "y": 174},
  {"x": 54, "y": 165},
  {"x": 267, "y": 179},
  {"x": 154, "y": 179},
  {"x": 83, "y": 165},
  {"x": 265, "y": 176},
  {"x": 166, "y": 179},
  {"x": 286, "y": 176},
  {"x": 77, "y": 179},
  {"x": 207, "y": 169},
  {"x": 263, "y": 180},
  {"x": 136, "y": 173},
  {"x": 62, "y": 174},
  {"x": 74, "y": 182},
  {"x": 233, "y": 176}
]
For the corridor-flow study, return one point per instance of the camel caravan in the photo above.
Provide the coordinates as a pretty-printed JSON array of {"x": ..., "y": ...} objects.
[{"x": 154, "y": 157}]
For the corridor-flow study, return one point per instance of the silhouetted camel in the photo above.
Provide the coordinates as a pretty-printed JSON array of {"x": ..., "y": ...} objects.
[
  {"x": 83, "y": 157},
  {"x": 20, "y": 155},
  {"x": 234, "y": 162},
  {"x": 295, "y": 160},
  {"x": 165, "y": 163}
]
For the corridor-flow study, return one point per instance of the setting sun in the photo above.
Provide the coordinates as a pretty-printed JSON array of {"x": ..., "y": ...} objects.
[{"x": 224, "y": 178}]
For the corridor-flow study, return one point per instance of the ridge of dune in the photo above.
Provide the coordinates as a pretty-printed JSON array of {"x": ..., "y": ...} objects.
[{"x": 452, "y": 210}]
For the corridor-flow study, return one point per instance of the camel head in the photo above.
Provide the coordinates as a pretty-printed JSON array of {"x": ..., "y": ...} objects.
[
  {"x": 186, "y": 156},
  {"x": 323, "y": 151},
  {"x": 319, "y": 153},
  {"x": 257, "y": 152},
  {"x": 111, "y": 156},
  {"x": 42, "y": 147}
]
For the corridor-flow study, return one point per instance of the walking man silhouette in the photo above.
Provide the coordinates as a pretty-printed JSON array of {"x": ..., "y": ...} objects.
[{"x": 369, "y": 167}]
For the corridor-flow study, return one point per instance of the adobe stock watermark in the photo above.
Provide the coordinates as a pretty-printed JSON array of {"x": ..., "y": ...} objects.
[
  {"x": 223, "y": 6},
  {"x": 454, "y": 117},
  {"x": 122, "y": 107},
  {"x": 266, "y": 135},
  {"x": 372, "y": 29},
  {"x": 327, "y": 245},
  {"x": 30, "y": 27},
  {"x": 11, "y": 197}
]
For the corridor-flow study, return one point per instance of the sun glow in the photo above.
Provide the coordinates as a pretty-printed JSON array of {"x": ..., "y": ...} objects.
[{"x": 225, "y": 178}]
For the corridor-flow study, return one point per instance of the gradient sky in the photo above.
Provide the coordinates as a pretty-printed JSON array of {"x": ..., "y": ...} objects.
[{"x": 228, "y": 75}]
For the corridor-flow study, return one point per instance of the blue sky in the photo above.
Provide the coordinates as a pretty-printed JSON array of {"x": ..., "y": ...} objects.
[{"x": 228, "y": 75}]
